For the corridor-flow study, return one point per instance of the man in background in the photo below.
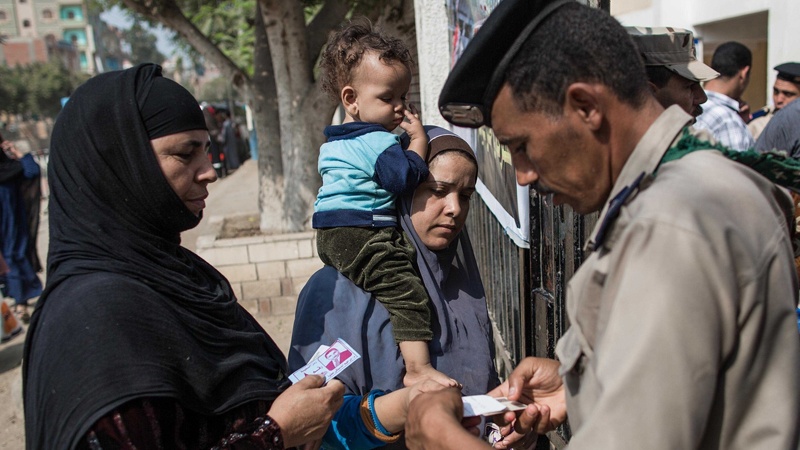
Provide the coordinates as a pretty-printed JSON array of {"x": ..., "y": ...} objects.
[
  {"x": 785, "y": 89},
  {"x": 214, "y": 151},
  {"x": 673, "y": 71},
  {"x": 782, "y": 132},
  {"x": 722, "y": 117},
  {"x": 227, "y": 139}
]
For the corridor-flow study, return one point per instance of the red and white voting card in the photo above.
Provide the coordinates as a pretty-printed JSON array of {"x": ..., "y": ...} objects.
[{"x": 328, "y": 361}]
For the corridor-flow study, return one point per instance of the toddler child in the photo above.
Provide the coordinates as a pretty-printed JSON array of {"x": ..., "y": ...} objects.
[{"x": 363, "y": 170}]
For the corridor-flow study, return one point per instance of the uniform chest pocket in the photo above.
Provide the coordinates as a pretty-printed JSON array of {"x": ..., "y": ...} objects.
[
  {"x": 577, "y": 372},
  {"x": 588, "y": 294},
  {"x": 573, "y": 357}
]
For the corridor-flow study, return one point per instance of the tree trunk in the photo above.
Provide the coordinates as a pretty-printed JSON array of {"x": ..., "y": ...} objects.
[
  {"x": 264, "y": 104},
  {"x": 289, "y": 121},
  {"x": 301, "y": 129},
  {"x": 169, "y": 14}
]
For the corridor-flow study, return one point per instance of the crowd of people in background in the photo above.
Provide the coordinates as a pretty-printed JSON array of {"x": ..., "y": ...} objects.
[
  {"x": 20, "y": 195},
  {"x": 230, "y": 145},
  {"x": 728, "y": 117}
]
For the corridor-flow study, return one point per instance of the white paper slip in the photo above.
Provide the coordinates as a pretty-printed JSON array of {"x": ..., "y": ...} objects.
[
  {"x": 327, "y": 361},
  {"x": 484, "y": 405},
  {"x": 319, "y": 351},
  {"x": 511, "y": 405}
]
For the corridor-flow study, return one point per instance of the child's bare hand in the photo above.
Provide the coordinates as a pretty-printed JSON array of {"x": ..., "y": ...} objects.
[
  {"x": 418, "y": 140},
  {"x": 413, "y": 127}
]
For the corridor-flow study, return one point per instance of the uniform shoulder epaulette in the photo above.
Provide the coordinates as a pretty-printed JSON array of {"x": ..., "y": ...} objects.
[{"x": 760, "y": 113}]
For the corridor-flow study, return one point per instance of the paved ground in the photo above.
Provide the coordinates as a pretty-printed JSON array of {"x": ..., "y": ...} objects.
[{"x": 234, "y": 195}]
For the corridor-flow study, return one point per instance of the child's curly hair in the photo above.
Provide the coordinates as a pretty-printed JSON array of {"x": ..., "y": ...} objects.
[{"x": 345, "y": 48}]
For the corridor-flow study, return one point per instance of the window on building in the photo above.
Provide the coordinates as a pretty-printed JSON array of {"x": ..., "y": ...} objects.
[
  {"x": 76, "y": 37},
  {"x": 26, "y": 23},
  {"x": 71, "y": 12},
  {"x": 47, "y": 14},
  {"x": 3, "y": 16}
]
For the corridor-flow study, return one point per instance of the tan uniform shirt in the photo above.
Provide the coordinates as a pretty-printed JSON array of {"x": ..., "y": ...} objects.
[
  {"x": 683, "y": 332},
  {"x": 757, "y": 125}
]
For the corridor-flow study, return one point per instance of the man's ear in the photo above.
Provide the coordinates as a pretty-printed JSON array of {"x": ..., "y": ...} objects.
[
  {"x": 583, "y": 99},
  {"x": 744, "y": 73},
  {"x": 348, "y": 97},
  {"x": 653, "y": 87}
]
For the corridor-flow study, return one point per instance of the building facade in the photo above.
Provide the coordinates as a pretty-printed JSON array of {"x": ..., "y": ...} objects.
[{"x": 41, "y": 30}]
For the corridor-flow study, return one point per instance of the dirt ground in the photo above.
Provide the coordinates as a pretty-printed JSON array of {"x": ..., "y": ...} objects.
[
  {"x": 240, "y": 226},
  {"x": 12, "y": 431}
]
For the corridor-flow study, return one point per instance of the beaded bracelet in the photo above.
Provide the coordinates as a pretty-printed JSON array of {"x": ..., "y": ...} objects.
[{"x": 370, "y": 418}]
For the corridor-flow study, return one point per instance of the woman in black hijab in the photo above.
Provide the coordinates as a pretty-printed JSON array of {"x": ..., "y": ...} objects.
[
  {"x": 20, "y": 194},
  {"x": 136, "y": 341}
]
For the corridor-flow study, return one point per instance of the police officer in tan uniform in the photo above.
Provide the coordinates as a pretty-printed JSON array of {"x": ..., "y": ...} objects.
[
  {"x": 785, "y": 90},
  {"x": 673, "y": 71},
  {"x": 682, "y": 323}
]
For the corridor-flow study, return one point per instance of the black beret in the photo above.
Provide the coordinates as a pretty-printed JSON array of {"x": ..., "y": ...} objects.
[
  {"x": 789, "y": 72},
  {"x": 469, "y": 92}
]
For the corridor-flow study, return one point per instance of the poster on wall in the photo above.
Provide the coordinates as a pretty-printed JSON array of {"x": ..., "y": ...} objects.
[{"x": 497, "y": 184}]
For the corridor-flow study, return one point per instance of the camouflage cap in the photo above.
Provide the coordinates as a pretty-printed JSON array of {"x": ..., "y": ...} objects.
[{"x": 672, "y": 48}]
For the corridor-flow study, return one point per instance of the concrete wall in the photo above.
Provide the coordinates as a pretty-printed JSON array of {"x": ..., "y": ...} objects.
[
  {"x": 433, "y": 54},
  {"x": 266, "y": 272}
]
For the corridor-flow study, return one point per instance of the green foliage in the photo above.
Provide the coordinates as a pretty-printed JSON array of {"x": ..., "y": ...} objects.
[
  {"x": 215, "y": 91},
  {"x": 36, "y": 89},
  {"x": 228, "y": 25},
  {"x": 143, "y": 45},
  {"x": 141, "y": 40}
]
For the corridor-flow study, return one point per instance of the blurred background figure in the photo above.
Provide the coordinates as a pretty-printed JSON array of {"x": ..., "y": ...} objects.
[
  {"x": 785, "y": 90},
  {"x": 723, "y": 115},
  {"x": 242, "y": 140},
  {"x": 227, "y": 139},
  {"x": 215, "y": 151},
  {"x": 20, "y": 194},
  {"x": 673, "y": 71}
]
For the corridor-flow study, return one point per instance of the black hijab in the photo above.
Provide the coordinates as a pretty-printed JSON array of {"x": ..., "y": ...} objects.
[
  {"x": 9, "y": 168},
  {"x": 30, "y": 193},
  {"x": 127, "y": 312}
]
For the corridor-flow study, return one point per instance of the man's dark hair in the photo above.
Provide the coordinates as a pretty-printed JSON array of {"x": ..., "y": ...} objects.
[
  {"x": 346, "y": 47},
  {"x": 658, "y": 75},
  {"x": 576, "y": 44},
  {"x": 730, "y": 58}
]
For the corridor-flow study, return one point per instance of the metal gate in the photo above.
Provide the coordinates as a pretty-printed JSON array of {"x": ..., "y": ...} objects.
[{"x": 526, "y": 288}]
